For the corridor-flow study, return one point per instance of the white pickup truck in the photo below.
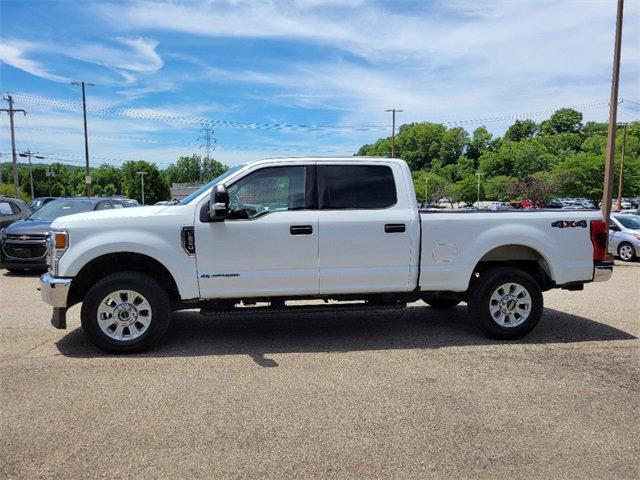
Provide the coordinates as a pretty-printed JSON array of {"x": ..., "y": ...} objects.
[{"x": 324, "y": 229}]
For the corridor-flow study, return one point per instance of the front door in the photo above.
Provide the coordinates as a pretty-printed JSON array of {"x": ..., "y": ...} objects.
[{"x": 269, "y": 244}]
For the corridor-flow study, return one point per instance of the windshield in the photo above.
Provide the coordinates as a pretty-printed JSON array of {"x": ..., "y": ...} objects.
[
  {"x": 59, "y": 208},
  {"x": 205, "y": 187},
  {"x": 629, "y": 222}
]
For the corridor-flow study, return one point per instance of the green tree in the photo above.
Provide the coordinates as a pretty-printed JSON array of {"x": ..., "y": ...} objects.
[
  {"x": 497, "y": 188},
  {"x": 212, "y": 168},
  {"x": 155, "y": 187},
  {"x": 185, "y": 170},
  {"x": 419, "y": 144},
  {"x": 466, "y": 190},
  {"x": 454, "y": 143},
  {"x": 521, "y": 129},
  {"x": 565, "y": 120},
  {"x": 581, "y": 175},
  {"x": 480, "y": 143}
]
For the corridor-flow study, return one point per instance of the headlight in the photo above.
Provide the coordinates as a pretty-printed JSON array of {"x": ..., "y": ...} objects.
[
  {"x": 58, "y": 245},
  {"x": 2, "y": 235}
]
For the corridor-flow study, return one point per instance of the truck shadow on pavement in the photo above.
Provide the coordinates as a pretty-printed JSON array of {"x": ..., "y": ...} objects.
[{"x": 259, "y": 335}]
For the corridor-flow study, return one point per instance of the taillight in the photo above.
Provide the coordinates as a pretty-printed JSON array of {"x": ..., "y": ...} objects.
[{"x": 599, "y": 239}]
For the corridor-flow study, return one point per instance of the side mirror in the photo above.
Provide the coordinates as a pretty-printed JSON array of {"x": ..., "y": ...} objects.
[{"x": 217, "y": 209}]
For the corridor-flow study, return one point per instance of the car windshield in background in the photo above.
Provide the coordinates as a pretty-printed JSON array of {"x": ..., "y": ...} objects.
[
  {"x": 204, "y": 188},
  {"x": 60, "y": 208},
  {"x": 629, "y": 222}
]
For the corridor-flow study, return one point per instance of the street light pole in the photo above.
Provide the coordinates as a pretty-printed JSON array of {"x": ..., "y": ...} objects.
[
  {"x": 30, "y": 154},
  {"x": 426, "y": 190},
  {"x": 87, "y": 178},
  {"x": 393, "y": 129},
  {"x": 142, "y": 174},
  {"x": 479, "y": 175},
  {"x": 624, "y": 144},
  {"x": 49, "y": 175}
]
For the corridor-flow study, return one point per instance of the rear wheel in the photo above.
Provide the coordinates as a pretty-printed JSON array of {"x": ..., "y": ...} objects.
[
  {"x": 439, "y": 302},
  {"x": 125, "y": 312},
  {"x": 626, "y": 252},
  {"x": 506, "y": 302}
]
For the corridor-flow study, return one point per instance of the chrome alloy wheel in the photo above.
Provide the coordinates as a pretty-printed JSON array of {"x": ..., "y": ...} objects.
[
  {"x": 626, "y": 252},
  {"x": 510, "y": 305},
  {"x": 124, "y": 315}
]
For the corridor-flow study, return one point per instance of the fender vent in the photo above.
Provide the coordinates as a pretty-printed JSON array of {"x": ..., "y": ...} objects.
[{"x": 189, "y": 240}]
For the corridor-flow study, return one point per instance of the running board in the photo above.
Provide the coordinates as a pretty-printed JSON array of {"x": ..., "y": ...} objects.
[{"x": 334, "y": 307}]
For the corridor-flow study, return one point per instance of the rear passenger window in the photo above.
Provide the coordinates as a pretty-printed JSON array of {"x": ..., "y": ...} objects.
[
  {"x": 356, "y": 186},
  {"x": 5, "y": 209}
]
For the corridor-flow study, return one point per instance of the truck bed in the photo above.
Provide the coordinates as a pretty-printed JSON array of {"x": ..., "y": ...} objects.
[{"x": 453, "y": 242}]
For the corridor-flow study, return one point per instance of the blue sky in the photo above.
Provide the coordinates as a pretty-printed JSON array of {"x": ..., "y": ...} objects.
[{"x": 161, "y": 67}]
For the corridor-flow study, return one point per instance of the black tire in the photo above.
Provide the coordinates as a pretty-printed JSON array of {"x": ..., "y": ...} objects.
[
  {"x": 439, "y": 302},
  {"x": 480, "y": 303},
  {"x": 141, "y": 284},
  {"x": 634, "y": 254}
]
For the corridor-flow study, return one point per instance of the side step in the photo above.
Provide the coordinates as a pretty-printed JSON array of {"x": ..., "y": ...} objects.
[{"x": 281, "y": 308}]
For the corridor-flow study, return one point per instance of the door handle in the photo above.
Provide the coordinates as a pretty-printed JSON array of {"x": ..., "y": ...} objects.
[
  {"x": 301, "y": 230},
  {"x": 395, "y": 228}
]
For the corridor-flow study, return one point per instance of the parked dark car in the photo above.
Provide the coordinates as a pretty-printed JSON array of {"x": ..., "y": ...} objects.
[
  {"x": 12, "y": 210},
  {"x": 23, "y": 243},
  {"x": 40, "y": 201}
]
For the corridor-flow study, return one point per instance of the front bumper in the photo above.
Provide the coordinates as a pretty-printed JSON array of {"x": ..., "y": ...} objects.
[
  {"x": 55, "y": 292},
  {"x": 602, "y": 271}
]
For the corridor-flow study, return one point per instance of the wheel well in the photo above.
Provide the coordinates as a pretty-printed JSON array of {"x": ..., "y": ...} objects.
[
  {"x": 517, "y": 256},
  {"x": 105, "y": 265}
]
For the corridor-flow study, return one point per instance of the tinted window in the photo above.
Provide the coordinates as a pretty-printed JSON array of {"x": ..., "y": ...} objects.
[
  {"x": 629, "y": 222},
  {"x": 268, "y": 190},
  {"x": 5, "y": 209},
  {"x": 59, "y": 208},
  {"x": 104, "y": 206},
  {"x": 357, "y": 186}
]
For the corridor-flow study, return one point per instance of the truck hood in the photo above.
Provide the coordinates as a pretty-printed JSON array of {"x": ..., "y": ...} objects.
[
  {"x": 29, "y": 227},
  {"x": 108, "y": 217}
]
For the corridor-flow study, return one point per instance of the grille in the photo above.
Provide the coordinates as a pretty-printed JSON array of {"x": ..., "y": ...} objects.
[
  {"x": 28, "y": 237},
  {"x": 24, "y": 251}
]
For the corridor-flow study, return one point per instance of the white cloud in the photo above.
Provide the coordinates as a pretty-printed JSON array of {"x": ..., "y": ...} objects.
[
  {"x": 13, "y": 53},
  {"x": 130, "y": 58}
]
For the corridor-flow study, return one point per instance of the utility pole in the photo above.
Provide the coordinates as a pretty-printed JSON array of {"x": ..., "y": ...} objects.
[
  {"x": 87, "y": 176},
  {"x": 624, "y": 144},
  {"x": 426, "y": 190},
  {"x": 49, "y": 175},
  {"x": 393, "y": 129},
  {"x": 479, "y": 175},
  {"x": 613, "y": 112},
  {"x": 142, "y": 174},
  {"x": 11, "y": 111},
  {"x": 30, "y": 154},
  {"x": 206, "y": 137}
]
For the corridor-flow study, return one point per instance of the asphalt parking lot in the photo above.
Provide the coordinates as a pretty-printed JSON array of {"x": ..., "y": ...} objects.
[{"x": 414, "y": 393}]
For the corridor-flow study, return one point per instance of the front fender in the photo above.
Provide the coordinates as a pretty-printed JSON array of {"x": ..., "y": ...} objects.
[{"x": 164, "y": 248}]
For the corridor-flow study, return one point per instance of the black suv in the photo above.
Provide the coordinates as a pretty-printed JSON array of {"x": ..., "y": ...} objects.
[{"x": 23, "y": 245}]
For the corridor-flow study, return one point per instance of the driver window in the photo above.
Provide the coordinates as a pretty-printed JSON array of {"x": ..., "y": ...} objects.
[{"x": 273, "y": 189}]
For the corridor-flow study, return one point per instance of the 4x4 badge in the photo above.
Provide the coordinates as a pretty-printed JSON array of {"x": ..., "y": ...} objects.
[{"x": 569, "y": 223}]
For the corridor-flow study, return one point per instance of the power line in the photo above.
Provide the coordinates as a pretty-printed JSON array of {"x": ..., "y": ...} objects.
[{"x": 206, "y": 137}]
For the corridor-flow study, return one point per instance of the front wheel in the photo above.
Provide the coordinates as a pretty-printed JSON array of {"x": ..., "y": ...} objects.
[
  {"x": 626, "y": 252},
  {"x": 125, "y": 312},
  {"x": 506, "y": 302}
]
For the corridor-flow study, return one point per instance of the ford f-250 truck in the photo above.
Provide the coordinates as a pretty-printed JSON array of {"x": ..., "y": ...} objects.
[{"x": 339, "y": 229}]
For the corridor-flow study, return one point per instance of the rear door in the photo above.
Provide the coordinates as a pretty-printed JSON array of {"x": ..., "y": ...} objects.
[{"x": 366, "y": 224}]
